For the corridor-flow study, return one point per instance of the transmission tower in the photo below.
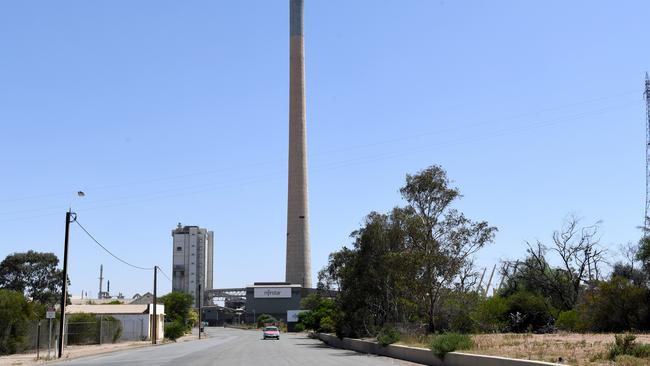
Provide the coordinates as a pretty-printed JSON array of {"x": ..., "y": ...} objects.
[{"x": 646, "y": 219}]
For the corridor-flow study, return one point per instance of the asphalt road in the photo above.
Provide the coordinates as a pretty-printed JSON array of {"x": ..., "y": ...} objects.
[{"x": 238, "y": 347}]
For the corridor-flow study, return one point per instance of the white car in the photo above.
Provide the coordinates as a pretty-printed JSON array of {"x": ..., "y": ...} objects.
[{"x": 271, "y": 332}]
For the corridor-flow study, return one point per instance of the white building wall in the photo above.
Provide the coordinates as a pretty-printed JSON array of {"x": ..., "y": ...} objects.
[{"x": 137, "y": 327}]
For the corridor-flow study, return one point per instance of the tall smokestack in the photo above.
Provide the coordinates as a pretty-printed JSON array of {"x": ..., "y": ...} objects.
[
  {"x": 101, "y": 280},
  {"x": 298, "y": 270}
]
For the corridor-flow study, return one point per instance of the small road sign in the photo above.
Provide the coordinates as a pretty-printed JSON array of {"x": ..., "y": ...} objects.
[{"x": 50, "y": 314}]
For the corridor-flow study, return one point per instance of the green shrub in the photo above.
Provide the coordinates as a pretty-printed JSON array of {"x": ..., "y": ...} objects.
[
  {"x": 318, "y": 308},
  {"x": 454, "y": 312},
  {"x": 307, "y": 319},
  {"x": 388, "y": 335},
  {"x": 264, "y": 319},
  {"x": 616, "y": 305},
  {"x": 490, "y": 315},
  {"x": 83, "y": 328},
  {"x": 626, "y": 360},
  {"x": 86, "y": 328},
  {"x": 177, "y": 308},
  {"x": 450, "y": 342},
  {"x": 193, "y": 318},
  {"x": 642, "y": 351},
  {"x": 299, "y": 327},
  {"x": 327, "y": 325},
  {"x": 15, "y": 312},
  {"x": 174, "y": 330},
  {"x": 569, "y": 321},
  {"x": 624, "y": 344},
  {"x": 529, "y": 312}
]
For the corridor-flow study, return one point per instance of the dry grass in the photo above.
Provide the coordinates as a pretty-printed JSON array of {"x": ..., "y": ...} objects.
[{"x": 574, "y": 349}]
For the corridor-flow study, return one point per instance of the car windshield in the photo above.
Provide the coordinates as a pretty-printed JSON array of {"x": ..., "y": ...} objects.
[{"x": 270, "y": 329}]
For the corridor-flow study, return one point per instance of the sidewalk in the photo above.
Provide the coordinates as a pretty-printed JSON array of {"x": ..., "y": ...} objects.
[{"x": 71, "y": 352}]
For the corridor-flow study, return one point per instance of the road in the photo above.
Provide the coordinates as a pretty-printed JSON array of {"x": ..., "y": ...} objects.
[{"x": 226, "y": 346}]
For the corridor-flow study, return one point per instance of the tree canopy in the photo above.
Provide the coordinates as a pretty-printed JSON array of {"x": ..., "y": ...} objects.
[
  {"x": 404, "y": 261},
  {"x": 34, "y": 274},
  {"x": 15, "y": 311},
  {"x": 177, "y": 308}
]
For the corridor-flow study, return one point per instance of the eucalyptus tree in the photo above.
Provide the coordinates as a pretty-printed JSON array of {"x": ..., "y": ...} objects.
[{"x": 403, "y": 262}]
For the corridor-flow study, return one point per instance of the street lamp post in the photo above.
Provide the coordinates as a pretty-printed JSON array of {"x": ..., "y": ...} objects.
[
  {"x": 69, "y": 217},
  {"x": 64, "y": 287}
]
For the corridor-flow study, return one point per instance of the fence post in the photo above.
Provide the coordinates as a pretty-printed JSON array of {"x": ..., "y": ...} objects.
[
  {"x": 101, "y": 326},
  {"x": 49, "y": 338},
  {"x": 38, "y": 339}
]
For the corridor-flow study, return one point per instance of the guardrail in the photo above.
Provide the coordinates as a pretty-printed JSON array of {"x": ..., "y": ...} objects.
[{"x": 423, "y": 355}]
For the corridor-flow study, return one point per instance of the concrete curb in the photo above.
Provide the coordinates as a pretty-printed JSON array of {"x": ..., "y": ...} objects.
[{"x": 423, "y": 355}]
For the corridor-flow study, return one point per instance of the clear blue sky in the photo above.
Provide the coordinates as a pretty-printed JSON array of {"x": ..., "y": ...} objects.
[{"x": 167, "y": 112}]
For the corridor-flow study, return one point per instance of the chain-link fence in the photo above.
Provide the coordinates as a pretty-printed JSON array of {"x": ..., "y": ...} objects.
[
  {"x": 100, "y": 331},
  {"x": 35, "y": 336},
  {"x": 84, "y": 328},
  {"x": 81, "y": 329},
  {"x": 135, "y": 329}
]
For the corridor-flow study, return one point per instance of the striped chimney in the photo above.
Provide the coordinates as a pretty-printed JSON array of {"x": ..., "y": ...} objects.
[{"x": 298, "y": 265}]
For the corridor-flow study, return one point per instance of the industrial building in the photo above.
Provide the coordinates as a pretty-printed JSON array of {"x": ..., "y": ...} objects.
[
  {"x": 278, "y": 299},
  {"x": 273, "y": 298},
  {"x": 136, "y": 320},
  {"x": 192, "y": 264}
]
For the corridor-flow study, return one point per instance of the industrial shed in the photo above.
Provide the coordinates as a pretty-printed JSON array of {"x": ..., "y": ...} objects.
[{"x": 136, "y": 320}]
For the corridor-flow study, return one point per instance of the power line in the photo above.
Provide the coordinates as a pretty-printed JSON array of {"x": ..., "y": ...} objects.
[
  {"x": 216, "y": 185},
  {"x": 325, "y": 152},
  {"x": 109, "y": 252},
  {"x": 163, "y": 273}
]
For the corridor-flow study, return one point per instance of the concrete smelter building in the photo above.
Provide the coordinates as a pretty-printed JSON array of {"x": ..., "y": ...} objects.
[{"x": 192, "y": 260}]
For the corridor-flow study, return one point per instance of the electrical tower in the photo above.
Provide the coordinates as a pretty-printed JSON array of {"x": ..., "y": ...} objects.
[{"x": 646, "y": 219}]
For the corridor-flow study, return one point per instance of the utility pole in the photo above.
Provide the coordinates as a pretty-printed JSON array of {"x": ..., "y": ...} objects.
[
  {"x": 200, "y": 325},
  {"x": 64, "y": 287},
  {"x": 154, "y": 332},
  {"x": 646, "y": 219}
]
